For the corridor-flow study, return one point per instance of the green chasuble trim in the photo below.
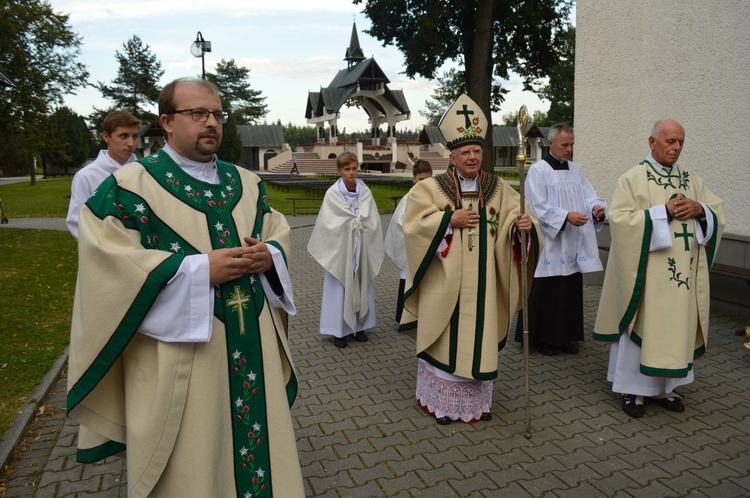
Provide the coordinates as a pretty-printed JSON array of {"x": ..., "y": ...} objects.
[
  {"x": 664, "y": 372},
  {"x": 101, "y": 452},
  {"x": 238, "y": 304},
  {"x": 640, "y": 278},
  {"x": 711, "y": 249},
  {"x": 403, "y": 327},
  {"x": 125, "y": 331},
  {"x": 430, "y": 253},
  {"x": 481, "y": 291}
]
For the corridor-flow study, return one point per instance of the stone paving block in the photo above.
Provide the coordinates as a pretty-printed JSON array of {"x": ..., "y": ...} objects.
[
  {"x": 313, "y": 468},
  {"x": 573, "y": 477},
  {"x": 677, "y": 464},
  {"x": 68, "y": 488},
  {"x": 684, "y": 484},
  {"x": 71, "y": 475},
  {"x": 510, "y": 474},
  {"x": 584, "y": 490},
  {"x": 402, "y": 466},
  {"x": 513, "y": 490},
  {"x": 417, "y": 449},
  {"x": 715, "y": 473},
  {"x": 371, "y": 488},
  {"x": 377, "y": 473},
  {"x": 373, "y": 458},
  {"x": 544, "y": 466},
  {"x": 574, "y": 458},
  {"x": 613, "y": 484},
  {"x": 479, "y": 484},
  {"x": 407, "y": 483},
  {"x": 646, "y": 474},
  {"x": 444, "y": 473},
  {"x": 340, "y": 465},
  {"x": 542, "y": 484},
  {"x": 321, "y": 486}
]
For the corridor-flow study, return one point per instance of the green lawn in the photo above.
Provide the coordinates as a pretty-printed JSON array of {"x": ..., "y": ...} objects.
[{"x": 37, "y": 282}]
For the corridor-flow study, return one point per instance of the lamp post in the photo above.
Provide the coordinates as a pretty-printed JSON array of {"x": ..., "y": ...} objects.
[{"x": 199, "y": 48}]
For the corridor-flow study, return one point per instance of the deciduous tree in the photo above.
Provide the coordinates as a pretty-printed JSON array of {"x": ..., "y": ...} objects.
[
  {"x": 489, "y": 39},
  {"x": 39, "y": 52}
]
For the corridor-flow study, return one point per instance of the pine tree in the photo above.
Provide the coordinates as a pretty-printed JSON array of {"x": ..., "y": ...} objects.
[
  {"x": 136, "y": 87},
  {"x": 246, "y": 105}
]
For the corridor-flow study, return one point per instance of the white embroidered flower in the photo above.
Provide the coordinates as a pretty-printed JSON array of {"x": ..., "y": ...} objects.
[
  {"x": 257, "y": 236},
  {"x": 238, "y": 403},
  {"x": 140, "y": 208},
  {"x": 252, "y": 279},
  {"x": 175, "y": 247},
  {"x": 260, "y": 472},
  {"x": 247, "y": 495},
  {"x": 236, "y": 355},
  {"x": 243, "y": 451},
  {"x": 219, "y": 226},
  {"x": 169, "y": 175},
  {"x": 252, "y": 376},
  {"x": 256, "y": 426},
  {"x": 223, "y": 194},
  {"x": 208, "y": 194},
  {"x": 229, "y": 188},
  {"x": 188, "y": 188}
]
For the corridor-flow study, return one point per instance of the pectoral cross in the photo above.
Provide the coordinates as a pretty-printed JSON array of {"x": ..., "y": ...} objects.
[
  {"x": 237, "y": 302},
  {"x": 685, "y": 235},
  {"x": 472, "y": 235}
]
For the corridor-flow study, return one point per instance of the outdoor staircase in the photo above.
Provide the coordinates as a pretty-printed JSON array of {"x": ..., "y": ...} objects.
[
  {"x": 438, "y": 162},
  {"x": 307, "y": 162}
]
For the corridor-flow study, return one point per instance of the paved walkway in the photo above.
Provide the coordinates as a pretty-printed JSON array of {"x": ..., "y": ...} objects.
[{"x": 361, "y": 434}]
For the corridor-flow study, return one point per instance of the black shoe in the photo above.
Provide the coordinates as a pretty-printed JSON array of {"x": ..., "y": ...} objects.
[
  {"x": 569, "y": 348},
  {"x": 443, "y": 420},
  {"x": 360, "y": 337},
  {"x": 671, "y": 404},
  {"x": 547, "y": 350},
  {"x": 340, "y": 342},
  {"x": 486, "y": 416},
  {"x": 629, "y": 406}
]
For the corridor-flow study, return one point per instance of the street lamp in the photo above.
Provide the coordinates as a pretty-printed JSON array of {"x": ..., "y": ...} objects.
[{"x": 199, "y": 49}]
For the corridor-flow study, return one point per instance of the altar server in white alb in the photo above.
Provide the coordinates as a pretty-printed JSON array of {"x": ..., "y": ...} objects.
[
  {"x": 347, "y": 241},
  {"x": 120, "y": 133},
  {"x": 395, "y": 246},
  {"x": 570, "y": 213},
  {"x": 666, "y": 227}
]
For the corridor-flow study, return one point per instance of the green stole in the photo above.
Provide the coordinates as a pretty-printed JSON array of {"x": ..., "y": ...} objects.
[{"x": 238, "y": 303}]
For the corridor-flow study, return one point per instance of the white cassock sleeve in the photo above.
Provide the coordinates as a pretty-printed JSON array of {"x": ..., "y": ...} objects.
[{"x": 183, "y": 311}]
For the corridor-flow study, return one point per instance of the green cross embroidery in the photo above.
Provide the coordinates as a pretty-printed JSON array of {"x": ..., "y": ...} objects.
[
  {"x": 466, "y": 112},
  {"x": 238, "y": 303},
  {"x": 685, "y": 235}
]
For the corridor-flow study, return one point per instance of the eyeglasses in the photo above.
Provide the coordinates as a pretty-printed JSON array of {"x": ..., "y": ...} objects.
[{"x": 201, "y": 115}]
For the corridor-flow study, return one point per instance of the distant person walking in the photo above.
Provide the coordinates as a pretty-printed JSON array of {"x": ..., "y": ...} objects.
[
  {"x": 294, "y": 166},
  {"x": 120, "y": 132},
  {"x": 347, "y": 242}
]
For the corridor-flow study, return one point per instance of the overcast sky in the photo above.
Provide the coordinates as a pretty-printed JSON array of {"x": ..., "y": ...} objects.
[{"x": 290, "y": 46}]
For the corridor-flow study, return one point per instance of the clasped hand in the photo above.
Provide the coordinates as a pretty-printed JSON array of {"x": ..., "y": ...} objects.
[
  {"x": 682, "y": 208},
  {"x": 232, "y": 263}
]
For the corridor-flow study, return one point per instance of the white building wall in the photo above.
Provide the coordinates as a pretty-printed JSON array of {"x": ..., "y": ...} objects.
[{"x": 638, "y": 61}]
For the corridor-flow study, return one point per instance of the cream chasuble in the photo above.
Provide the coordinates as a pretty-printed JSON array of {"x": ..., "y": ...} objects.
[
  {"x": 659, "y": 297},
  {"x": 196, "y": 419},
  {"x": 461, "y": 305}
]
